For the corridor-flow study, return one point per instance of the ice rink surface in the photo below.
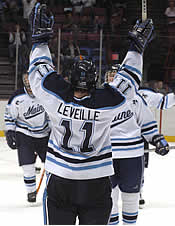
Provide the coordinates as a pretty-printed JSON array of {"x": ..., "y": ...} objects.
[{"x": 159, "y": 192}]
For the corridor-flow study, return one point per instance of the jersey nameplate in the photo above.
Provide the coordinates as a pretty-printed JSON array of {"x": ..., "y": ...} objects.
[{"x": 78, "y": 113}]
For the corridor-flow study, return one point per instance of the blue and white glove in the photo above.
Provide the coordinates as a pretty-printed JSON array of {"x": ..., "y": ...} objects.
[
  {"x": 141, "y": 34},
  {"x": 41, "y": 21},
  {"x": 162, "y": 147}
]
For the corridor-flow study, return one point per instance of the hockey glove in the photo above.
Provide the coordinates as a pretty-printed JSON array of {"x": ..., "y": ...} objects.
[
  {"x": 11, "y": 139},
  {"x": 41, "y": 21},
  {"x": 162, "y": 147},
  {"x": 141, "y": 35}
]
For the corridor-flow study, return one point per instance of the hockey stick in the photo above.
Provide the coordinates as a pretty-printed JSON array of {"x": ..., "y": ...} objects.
[
  {"x": 75, "y": 39},
  {"x": 160, "y": 121},
  {"x": 144, "y": 10},
  {"x": 78, "y": 49},
  {"x": 41, "y": 179},
  {"x": 153, "y": 149}
]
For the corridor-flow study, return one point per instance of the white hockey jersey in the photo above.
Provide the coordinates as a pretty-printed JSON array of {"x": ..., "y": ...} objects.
[
  {"x": 157, "y": 100},
  {"x": 127, "y": 141},
  {"x": 24, "y": 114},
  {"x": 129, "y": 76},
  {"x": 80, "y": 146}
]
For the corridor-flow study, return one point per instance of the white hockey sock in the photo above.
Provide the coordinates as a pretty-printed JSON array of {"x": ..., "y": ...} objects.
[
  {"x": 114, "y": 218},
  {"x": 130, "y": 206},
  {"x": 29, "y": 177}
]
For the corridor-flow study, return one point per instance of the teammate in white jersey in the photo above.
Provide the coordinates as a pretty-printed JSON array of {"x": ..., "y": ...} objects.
[
  {"x": 27, "y": 129},
  {"x": 79, "y": 159},
  {"x": 128, "y": 152},
  {"x": 154, "y": 100},
  {"x": 157, "y": 100}
]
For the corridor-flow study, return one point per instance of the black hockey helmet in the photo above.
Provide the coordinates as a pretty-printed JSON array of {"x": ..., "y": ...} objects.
[{"x": 83, "y": 75}]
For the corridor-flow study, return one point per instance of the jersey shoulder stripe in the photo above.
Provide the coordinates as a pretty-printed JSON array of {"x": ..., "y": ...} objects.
[
  {"x": 15, "y": 94},
  {"x": 134, "y": 76}
]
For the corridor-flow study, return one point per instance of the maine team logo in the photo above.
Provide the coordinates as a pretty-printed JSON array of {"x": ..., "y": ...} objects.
[
  {"x": 122, "y": 117},
  {"x": 33, "y": 111}
]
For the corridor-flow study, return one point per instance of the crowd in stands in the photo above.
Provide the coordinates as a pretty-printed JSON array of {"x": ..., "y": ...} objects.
[
  {"x": 80, "y": 22},
  {"x": 158, "y": 86},
  {"x": 170, "y": 16}
]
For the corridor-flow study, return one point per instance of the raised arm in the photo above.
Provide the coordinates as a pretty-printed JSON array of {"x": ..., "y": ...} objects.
[
  {"x": 41, "y": 22},
  {"x": 47, "y": 86},
  {"x": 129, "y": 76}
]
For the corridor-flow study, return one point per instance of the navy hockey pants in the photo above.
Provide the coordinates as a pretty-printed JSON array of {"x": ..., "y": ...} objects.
[
  {"x": 28, "y": 147},
  {"x": 66, "y": 200},
  {"x": 128, "y": 174}
]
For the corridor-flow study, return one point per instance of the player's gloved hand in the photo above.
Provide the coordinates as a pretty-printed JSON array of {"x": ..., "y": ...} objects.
[
  {"x": 141, "y": 34},
  {"x": 41, "y": 21},
  {"x": 162, "y": 147},
  {"x": 11, "y": 139}
]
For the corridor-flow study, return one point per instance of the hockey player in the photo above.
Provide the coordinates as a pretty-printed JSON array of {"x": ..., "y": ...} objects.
[
  {"x": 110, "y": 74},
  {"x": 157, "y": 101},
  {"x": 27, "y": 129},
  {"x": 128, "y": 152},
  {"x": 79, "y": 159}
]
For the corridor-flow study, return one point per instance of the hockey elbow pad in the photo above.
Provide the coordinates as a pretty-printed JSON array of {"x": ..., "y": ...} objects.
[
  {"x": 162, "y": 147},
  {"x": 141, "y": 35}
]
